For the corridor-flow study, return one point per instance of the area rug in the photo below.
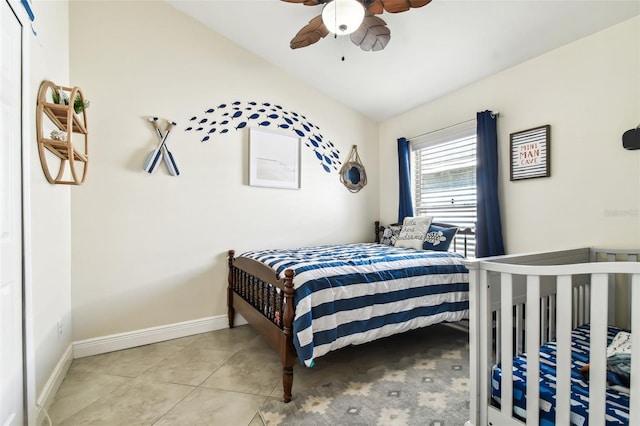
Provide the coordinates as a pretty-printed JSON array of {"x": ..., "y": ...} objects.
[{"x": 427, "y": 387}]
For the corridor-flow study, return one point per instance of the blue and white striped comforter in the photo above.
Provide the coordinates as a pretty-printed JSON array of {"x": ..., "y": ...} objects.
[{"x": 356, "y": 293}]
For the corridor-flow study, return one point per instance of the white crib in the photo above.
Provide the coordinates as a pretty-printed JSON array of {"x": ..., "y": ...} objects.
[{"x": 545, "y": 296}]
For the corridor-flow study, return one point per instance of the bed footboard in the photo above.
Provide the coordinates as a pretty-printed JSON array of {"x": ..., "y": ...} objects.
[
  {"x": 518, "y": 303},
  {"x": 266, "y": 302}
]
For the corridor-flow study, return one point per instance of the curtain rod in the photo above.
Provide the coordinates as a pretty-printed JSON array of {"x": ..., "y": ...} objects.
[{"x": 493, "y": 114}]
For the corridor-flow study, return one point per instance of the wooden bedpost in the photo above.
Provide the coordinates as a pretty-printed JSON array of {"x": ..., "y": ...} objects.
[
  {"x": 230, "y": 311},
  {"x": 377, "y": 228},
  {"x": 287, "y": 354}
]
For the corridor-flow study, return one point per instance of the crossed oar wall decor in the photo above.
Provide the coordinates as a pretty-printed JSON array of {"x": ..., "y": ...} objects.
[{"x": 156, "y": 156}]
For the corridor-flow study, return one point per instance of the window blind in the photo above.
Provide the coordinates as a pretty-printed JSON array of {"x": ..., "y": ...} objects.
[{"x": 444, "y": 175}]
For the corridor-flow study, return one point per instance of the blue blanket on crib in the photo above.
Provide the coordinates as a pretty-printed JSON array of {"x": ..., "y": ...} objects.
[{"x": 617, "y": 407}]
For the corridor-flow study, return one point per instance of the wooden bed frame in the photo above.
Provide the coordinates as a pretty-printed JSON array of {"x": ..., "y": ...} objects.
[
  {"x": 252, "y": 293},
  {"x": 531, "y": 289}
]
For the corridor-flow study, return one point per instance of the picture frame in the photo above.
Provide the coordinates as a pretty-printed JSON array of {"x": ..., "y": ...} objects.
[
  {"x": 530, "y": 153},
  {"x": 274, "y": 159}
]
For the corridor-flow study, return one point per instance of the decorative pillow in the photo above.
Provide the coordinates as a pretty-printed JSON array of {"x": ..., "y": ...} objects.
[
  {"x": 414, "y": 229},
  {"x": 439, "y": 238},
  {"x": 390, "y": 234}
]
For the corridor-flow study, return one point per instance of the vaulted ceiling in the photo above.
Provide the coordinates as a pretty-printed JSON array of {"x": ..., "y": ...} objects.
[{"x": 434, "y": 50}]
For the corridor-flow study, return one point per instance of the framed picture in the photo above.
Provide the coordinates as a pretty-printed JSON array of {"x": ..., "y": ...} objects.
[
  {"x": 530, "y": 153},
  {"x": 274, "y": 159}
]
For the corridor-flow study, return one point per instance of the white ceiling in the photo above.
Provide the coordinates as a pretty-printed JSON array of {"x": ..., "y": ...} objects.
[{"x": 433, "y": 51}]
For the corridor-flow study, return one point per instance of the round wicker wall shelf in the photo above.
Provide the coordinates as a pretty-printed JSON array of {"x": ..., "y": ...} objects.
[{"x": 63, "y": 108}]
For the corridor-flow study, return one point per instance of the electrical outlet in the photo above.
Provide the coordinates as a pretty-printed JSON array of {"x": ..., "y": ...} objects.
[{"x": 59, "y": 327}]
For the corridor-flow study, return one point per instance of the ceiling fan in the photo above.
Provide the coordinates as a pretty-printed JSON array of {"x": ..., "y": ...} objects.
[{"x": 352, "y": 17}]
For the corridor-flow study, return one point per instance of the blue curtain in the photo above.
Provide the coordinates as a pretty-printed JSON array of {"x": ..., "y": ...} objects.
[
  {"x": 405, "y": 207},
  {"x": 489, "y": 227}
]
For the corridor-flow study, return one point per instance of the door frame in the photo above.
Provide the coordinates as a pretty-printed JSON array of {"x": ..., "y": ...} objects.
[{"x": 28, "y": 96}]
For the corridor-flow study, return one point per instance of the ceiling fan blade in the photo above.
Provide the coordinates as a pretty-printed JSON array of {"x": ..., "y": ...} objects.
[
  {"x": 375, "y": 7},
  {"x": 310, "y": 33},
  {"x": 395, "y": 6},
  {"x": 306, "y": 2},
  {"x": 373, "y": 34}
]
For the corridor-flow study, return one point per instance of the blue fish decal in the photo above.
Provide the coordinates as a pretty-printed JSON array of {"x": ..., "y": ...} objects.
[{"x": 265, "y": 115}]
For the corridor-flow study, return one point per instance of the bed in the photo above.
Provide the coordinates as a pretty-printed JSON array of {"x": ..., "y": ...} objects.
[
  {"x": 309, "y": 301},
  {"x": 571, "y": 307}
]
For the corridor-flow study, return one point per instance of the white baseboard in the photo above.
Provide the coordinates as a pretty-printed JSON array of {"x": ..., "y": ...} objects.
[
  {"x": 53, "y": 384},
  {"x": 131, "y": 339}
]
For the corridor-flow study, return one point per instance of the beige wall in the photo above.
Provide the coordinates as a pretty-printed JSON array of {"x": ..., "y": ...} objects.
[
  {"x": 589, "y": 92},
  {"x": 150, "y": 250},
  {"x": 48, "y": 271},
  {"x": 47, "y": 227}
]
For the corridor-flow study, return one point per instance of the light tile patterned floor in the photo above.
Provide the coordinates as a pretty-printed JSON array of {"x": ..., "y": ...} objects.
[{"x": 215, "y": 378}]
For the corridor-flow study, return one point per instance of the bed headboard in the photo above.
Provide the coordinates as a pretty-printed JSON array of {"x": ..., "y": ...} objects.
[{"x": 462, "y": 236}]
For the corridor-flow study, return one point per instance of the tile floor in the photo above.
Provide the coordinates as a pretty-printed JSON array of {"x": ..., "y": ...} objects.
[{"x": 215, "y": 378}]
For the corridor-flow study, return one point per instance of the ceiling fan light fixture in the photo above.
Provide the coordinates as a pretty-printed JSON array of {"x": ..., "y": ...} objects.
[{"x": 343, "y": 17}]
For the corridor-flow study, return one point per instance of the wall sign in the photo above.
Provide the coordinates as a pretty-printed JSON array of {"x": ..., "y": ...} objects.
[{"x": 530, "y": 151}]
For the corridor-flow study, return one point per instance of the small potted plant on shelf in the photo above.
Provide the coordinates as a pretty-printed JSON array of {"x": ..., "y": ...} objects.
[{"x": 78, "y": 105}]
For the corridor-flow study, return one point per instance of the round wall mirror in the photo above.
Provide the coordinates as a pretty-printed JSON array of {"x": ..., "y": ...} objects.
[{"x": 352, "y": 173}]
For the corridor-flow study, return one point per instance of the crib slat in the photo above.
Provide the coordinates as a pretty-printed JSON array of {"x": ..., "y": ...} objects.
[
  {"x": 484, "y": 318},
  {"x": 533, "y": 350},
  {"x": 563, "y": 350},
  {"x": 598, "y": 349},
  {"x": 519, "y": 329},
  {"x": 506, "y": 378},
  {"x": 612, "y": 292},
  {"x": 634, "y": 408},
  {"x": 552, "y": 317},
  {"x": 543, "y": 320}
]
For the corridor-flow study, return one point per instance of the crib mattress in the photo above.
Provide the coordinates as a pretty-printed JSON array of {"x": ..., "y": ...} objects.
[{"x": 617, "y": 408}]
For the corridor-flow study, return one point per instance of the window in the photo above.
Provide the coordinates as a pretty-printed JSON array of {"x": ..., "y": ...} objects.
[{"x": 444, "y": 177}]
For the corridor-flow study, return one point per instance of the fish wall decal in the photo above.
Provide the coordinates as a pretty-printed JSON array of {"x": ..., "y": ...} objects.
[{"x": 239, "y": 115}]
